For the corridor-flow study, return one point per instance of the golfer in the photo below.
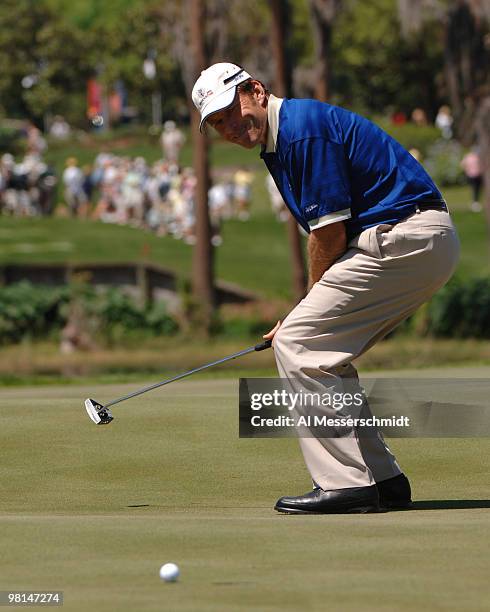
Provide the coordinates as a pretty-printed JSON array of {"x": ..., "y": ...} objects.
[{"x": 380, "y": 244}]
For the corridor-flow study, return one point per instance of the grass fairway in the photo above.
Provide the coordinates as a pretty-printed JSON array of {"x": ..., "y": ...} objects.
[{"x": 94, "y": 511}]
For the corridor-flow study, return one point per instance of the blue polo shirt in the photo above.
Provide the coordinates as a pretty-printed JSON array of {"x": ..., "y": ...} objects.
[{"x": 333, "y": 165}]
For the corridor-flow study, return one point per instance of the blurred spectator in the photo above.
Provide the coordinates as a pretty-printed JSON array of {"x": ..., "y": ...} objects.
[
  {"x": 36, "y": 145},
  {"x": 419, "y": 117},
  {"x": 109, "y": 191},
  {"x": 278, "y": 205},
  {"x": 73, "y": 180},
  {"x": 27, "y": 188},
  {"x": 182, "y": 201},
  {"x": 219, "y": 205},
  {"x": 76, "y": 335},
  {"x": 132, "y": 195},
  {"x": 399, "y": 118},
  {"x": 47, "y": 191},
  {"x": 472, "y": 166},
  {"x": 158, "y": 197},
  {"x": 7, "y": 164},
  {"x": 172, "y": 140},
  {"x": 444, "y": 121},
  {"x": 157, "y": 187},
  {"x": 60, "y": 130},
  {"x": 415, "y": 153},
  {"x": 87, "y": 185},
  {"x": 242, "y": 192},
  {"x": 99, "y": 163}
]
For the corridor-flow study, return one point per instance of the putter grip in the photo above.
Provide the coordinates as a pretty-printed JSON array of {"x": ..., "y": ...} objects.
[{"x": 263, "y": 345}]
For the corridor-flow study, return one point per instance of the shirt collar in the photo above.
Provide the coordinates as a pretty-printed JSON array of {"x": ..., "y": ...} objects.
[{"x": 273, "y": 108}]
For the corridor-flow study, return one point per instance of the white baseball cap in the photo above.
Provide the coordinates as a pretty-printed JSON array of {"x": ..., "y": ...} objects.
[{"x": 215, "y": 89}]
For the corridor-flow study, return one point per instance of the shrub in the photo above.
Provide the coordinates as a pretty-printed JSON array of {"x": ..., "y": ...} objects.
[
  {"x": 440, "y": 157},
  {"x": 411, "y": 136},
  {"x": 120, "y": 316},
  {"x": 443, "y": 163},
  {"x": 461, "y": 310},
  {"x": 28, "y": 310},
  {"x": 246, "y": 327}
]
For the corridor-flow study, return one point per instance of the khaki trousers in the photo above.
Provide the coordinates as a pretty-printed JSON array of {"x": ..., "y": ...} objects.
[{"x": 387, "y": 272}]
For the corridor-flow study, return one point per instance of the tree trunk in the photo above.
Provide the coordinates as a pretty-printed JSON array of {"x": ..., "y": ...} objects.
[
  {"x": 203, "y": 260},
  {"x": 452, "y": 82},
  {"x": 322, "y": 35},
  {"x": 282, "y": 87},
  {"x": 483, "y": 139}
]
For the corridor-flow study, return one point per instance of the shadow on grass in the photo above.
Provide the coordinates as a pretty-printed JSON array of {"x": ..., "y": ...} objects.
[{"x": 450, "y": 504}]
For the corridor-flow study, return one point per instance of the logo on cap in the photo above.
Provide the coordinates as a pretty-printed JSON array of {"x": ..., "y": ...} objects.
[{"x": 203, "y": 94}]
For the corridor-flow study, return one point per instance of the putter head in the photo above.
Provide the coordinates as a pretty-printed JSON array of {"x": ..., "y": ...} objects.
[{"x": 97, "y": 412}]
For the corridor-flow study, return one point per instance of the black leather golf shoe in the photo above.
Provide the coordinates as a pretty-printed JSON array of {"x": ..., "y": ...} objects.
[
  {"x": 338, "y": 501},
  {"x": 395, "y": 492}
]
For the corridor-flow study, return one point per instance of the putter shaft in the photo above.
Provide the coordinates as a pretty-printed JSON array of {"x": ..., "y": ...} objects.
[{"x": 258, "y": 347}]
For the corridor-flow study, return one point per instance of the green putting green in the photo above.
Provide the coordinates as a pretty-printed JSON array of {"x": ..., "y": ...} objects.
[{"x": 95, "y": 510}]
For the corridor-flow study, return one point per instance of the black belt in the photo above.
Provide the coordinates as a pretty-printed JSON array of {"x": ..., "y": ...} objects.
[{"x": 419, "y": 206}]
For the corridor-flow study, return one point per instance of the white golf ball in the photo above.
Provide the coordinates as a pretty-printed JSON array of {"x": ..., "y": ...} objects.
[{"x": 169, "y": 572}]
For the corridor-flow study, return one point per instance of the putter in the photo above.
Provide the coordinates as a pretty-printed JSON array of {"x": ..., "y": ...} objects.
[{"x": 101, "y": 415}]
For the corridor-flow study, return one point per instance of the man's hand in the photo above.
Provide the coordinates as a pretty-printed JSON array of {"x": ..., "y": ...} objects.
[
  {"x": 325, "y": 245},
  {"x": 270, "y": 335}
]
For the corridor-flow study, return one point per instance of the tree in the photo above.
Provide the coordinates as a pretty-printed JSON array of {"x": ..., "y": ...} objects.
[
  {"x": 466, "y": 26},
  {"x": 323, "y": 13},
  {"x": 203, "y": 268},
  {"x": 466, "y": 50},
  {"x": 41, "y": 40},
  {"x": 483, "y": 130},
  {"x": 377, "y": 70},
  {"x": 43, "y": 60},
  {"x": 282, "y": 86},
  {"x": 63, "y": 70},
  {"x": 190, "y": 50},
  {"x": 467, "y": 58}
]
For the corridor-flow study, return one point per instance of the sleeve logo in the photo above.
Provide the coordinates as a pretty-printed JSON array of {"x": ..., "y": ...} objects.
[{"x": 311, "y": 211}]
